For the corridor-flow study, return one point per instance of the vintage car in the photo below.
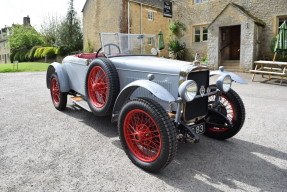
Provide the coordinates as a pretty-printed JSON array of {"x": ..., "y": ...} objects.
[{"x": 156, "y": 102}]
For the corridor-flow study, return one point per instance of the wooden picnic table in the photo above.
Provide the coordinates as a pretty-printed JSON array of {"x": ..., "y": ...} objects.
[{"x": 270, "y": 68}]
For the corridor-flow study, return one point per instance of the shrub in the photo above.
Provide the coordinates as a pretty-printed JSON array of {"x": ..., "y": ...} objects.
[
  {"x": 49, "y": 51},
  {"x": 176, "y": 48},
  {"x": 22, "y": 55},
  {"x": 177, "y": 28},
  {"x": 17, "y": 56},
  {"x": 12, "y": 55},
  {"x": 89, "y": 48},
  {"x": 38, "y": 52},
  {"x": 32, "y": 52},
  {"x": 63, "y": 50}
]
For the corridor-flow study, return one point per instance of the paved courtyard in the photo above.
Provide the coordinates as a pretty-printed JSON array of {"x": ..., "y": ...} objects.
[{"x": 42, "y": 149}]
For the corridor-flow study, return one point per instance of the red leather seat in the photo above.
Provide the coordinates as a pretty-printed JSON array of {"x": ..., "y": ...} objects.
[{"x": 87, "y": 55}]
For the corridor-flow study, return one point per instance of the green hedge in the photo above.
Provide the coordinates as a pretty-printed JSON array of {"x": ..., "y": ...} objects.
[
  {"x": 50, "y": 52},
  {"x": 62, "y": 50},
  {"x": 38, "y": 52}
]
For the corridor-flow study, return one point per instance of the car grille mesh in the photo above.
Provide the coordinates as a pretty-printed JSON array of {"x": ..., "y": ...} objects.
[{"x": 197, "y": 107}]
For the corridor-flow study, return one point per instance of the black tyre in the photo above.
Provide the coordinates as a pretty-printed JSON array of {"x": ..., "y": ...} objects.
[
  {"x": 147, "y": 134},
  {"x": 102, "y": 86},
  {"x": 233, "y": 108},
  {"x": 59, "y": 98}
]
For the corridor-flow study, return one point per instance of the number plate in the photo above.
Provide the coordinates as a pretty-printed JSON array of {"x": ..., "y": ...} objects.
[{"x": 198, "y": 128}]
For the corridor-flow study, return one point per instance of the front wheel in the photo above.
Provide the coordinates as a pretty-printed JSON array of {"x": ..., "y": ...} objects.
[
  {"x": 147, "y": 134},
  {"x": 59, "y": 98},
  {"x": 231, "y": 106}
]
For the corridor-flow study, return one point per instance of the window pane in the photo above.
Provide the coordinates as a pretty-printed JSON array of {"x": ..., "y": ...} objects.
[
  {"x": 197, "y": 31},
  {"x": 205, "y": 30},
  {"x": 150, "y": 16},
  {"x": 205, "y": 37},
  {"x": 197, "y": 1},
  {"x": 197, "y": 38}
]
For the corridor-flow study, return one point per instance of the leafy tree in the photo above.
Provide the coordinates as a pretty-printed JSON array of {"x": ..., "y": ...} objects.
[
  {"x": 50, "y": 28},
  {"x": 70, "y": 32},
  {"x": 24, "y": 38}
]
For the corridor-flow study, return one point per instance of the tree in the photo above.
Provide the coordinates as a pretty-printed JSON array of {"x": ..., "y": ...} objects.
[
  {"x": 70, "y": 32},
  {"x": 50, "y": 28},
  {"x": 24, "y": 38}
]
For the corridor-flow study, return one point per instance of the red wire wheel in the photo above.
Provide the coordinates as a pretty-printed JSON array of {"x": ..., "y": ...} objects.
[
  {"x": 98, "y": 87},
  {"x": 55, "y": 91},
  {"x": 231, "y": 106},
  {"x": 226, "y": 108},
  {"x": 147, "y": 134},
  {"x": 142, "y": 135},
  {"x": 59, "y": 98}
]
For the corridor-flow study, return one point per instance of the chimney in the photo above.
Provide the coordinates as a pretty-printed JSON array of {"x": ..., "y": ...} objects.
[{"x": 26, "y": 21}]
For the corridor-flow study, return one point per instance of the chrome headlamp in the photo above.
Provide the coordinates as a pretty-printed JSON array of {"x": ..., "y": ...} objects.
[
  {"x": 188, "y": 90},
  {"x": 224, "y": 83}
]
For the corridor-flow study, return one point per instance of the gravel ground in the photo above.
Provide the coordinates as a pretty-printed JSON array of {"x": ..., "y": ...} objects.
[{"x": 42, "y": 149}]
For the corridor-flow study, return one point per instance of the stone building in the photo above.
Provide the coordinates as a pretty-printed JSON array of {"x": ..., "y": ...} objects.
[
  {"x": 233, "y": 33},
  {"x": 4, "y": 44},
  {"x": 4, "y": 47},
  {"x": 122, "y": 16}
]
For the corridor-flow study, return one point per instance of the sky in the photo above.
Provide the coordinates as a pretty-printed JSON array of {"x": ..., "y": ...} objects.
[{"x": 13, "y": 11}]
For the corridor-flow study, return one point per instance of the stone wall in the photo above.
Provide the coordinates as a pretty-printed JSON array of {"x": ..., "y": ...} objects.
[
  {"x": 204, "y": 13},
  {"x": 4, "y": 52},
  {"x": 141, "y": 24},
  {"x": 101, "y": 16}
]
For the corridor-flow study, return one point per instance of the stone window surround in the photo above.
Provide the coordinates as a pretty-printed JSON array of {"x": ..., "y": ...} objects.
[
  {"x": 150, "y": 14},
  {"x": 276, "y": 23},
  {"x": 201, "y": 33}
]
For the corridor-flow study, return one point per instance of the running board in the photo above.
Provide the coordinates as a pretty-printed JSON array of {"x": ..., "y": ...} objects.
[{"x": 81, "y": 103}]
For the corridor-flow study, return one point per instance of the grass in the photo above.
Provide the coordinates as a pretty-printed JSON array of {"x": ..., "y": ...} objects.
[{"x": 29, "y": 66}]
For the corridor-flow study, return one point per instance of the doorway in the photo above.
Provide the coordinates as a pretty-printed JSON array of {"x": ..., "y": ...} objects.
[{"x": 230, "y": 45}]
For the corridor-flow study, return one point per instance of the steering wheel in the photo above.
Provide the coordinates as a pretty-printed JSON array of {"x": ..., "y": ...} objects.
[{"x": 112, "y": 45}]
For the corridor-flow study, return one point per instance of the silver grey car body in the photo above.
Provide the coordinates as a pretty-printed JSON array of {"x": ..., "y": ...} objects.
[{"x": 164, "y": 81}]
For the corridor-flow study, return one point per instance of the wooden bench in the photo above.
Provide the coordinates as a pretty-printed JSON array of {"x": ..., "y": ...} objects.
[{"x": 270, "y": 68}]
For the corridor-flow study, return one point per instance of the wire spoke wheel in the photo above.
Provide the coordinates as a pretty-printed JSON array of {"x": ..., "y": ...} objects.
[
  {"x": 225, "y": 107},
  {"x": 98, "y": 87},
  {"x": 232, "y": 107},
  {"x": 142, "y": 135},
  {"x": 59, "y": 98},
  {"x": 147, "y": 134},
  {"x": 102, "y": 86},
  {"x": 55, "y": 91}
]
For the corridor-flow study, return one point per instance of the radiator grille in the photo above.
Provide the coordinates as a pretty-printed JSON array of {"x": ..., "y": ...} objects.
[{"x": 197, "y": 107}]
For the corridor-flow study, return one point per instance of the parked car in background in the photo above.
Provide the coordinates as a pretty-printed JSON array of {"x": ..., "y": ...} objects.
[{"x": 156, "y": 102}]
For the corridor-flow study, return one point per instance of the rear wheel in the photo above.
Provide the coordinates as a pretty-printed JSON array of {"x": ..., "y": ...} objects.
[
  {"x": 147, "y": 134},
  {"x": 231, "y": 106},
  {"x": 59, "y": 98}
]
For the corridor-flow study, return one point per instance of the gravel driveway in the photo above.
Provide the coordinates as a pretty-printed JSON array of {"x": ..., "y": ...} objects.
[{"x": 42, "y": 149}]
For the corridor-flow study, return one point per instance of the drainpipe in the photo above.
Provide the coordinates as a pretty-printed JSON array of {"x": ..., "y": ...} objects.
[
  {"x": 129, "y": 24},
  {"x": 141, "y": 29}
]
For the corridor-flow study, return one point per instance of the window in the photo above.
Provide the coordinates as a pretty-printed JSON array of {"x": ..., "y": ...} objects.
[
  {"x": 199, "y": 1},
  {"x": 150, "y": 15},
  {"x": 279, "y": 21},
  {"x": 204, "y": 33},
  {"x": 150, "y": 40},
  {"x": 197, "y": 34},
  {"x": 200, "y": 34}
]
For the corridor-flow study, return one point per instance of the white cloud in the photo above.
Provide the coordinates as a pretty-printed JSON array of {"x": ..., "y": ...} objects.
[{"x": 13, "y": 11}]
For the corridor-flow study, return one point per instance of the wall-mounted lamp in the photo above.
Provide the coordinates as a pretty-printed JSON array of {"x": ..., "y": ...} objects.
[{"x": 247, "y": 25}]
